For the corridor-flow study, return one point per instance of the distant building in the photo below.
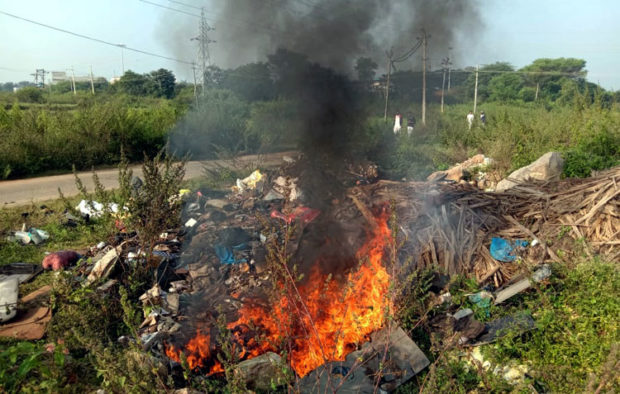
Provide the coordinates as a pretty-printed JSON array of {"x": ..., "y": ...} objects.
[{"x": 62, "y": 76}]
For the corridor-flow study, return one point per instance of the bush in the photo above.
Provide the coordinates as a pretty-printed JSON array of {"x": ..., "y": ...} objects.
[
  {"x": 593, "y": 152},
  {"x": 41, "y": 139},
  {"x": 215, "y": 127},
  {"x": 30, "y": 94}
]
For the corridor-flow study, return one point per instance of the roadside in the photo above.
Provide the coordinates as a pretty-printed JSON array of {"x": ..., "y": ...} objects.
[{"x": 24, "y": 191}]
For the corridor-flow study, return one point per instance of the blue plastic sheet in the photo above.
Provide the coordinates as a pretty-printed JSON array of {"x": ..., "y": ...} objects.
[
  {"x": 504, "y": 250},
  {"x": 226, "y": 254}
]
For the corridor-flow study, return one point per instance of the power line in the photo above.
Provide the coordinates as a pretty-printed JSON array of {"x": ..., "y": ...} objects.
[
  {"x": 95, "y": 39},
  {"x": 185, "y": 4},
  {"x": 170, "y": 8}
]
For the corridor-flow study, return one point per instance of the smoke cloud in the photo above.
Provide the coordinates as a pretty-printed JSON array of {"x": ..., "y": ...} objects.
[{"x": 333, "y": 33}]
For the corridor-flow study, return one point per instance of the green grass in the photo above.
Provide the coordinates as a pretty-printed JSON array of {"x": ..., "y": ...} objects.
[
  {"x": 577, "y": 325},
  {"x": 49, "y": 219}
]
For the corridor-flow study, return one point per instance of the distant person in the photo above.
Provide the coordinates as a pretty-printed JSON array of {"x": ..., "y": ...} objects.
[
  {"x": 483, "y": 118},
  {"x": 470, "y": 119},
  {"x": 410, "y": 124},
  {"x": 397, "y": 122}
]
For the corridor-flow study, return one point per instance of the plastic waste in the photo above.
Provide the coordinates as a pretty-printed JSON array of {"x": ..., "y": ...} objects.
[
  {"x": 60, "y": 260},
  {"x": 8, "y": 298},
  {"x": 226, "y": 254},
  {"x": 95, "y": 209},
  {"x": 250, "y": 182},
  {"x": 305, "y": 214},
  {"x": 482, "y": 300},
  {"x": 504, "y": 250},
  {"x": 34, "y": 235}
]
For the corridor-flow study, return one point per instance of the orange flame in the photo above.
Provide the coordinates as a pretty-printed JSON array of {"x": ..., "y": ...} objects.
[{"x": 332, "y": 319}]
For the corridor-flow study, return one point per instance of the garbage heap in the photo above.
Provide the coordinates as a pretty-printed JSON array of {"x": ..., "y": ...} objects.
[{"x": 497, "y": 238}]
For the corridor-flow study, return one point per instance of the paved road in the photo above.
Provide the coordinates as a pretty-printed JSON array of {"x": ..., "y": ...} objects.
[{"x": 24, "y": 191}]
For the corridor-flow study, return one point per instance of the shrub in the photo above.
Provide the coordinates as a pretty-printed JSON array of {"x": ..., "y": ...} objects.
[
  {"x": 215, "y": 126},
  {"x": 30, "y": 94}
]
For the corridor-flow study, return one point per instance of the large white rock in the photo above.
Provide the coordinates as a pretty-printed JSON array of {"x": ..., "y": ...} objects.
[{"x": 548, "y": 167}]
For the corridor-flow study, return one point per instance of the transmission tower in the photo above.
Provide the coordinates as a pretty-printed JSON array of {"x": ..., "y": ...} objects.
[
  {"x": 39, "y": 77},
  {"x": 203, "y": 47}
]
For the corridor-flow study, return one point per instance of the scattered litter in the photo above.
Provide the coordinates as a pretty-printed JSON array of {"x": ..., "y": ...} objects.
[
  {"x": 259, "y": 373},
  {"x": 152, "y": 296},
  {"x": 22, "y": 271},
  {"x": 95, "y": 209},
  {"x": 461, "y": 313},
  {"x": 9, "y": 290},
  {"x": 513, "y": 373},
  {"x": 60, "y": 260},
  {"x": 226, "y": 255},
  {"x": 104, "y": 263},
  {"x": 101, "y": 245},
  {"x": 287, "y": 187},
  {"x": 482, "y": 300},
  {"x": 31, "y": 323},
  {"x": 273, "y": 195},
  {"x": 191, "y": 222},
  {"x": 304, "y": 214},
  {"x": 250, "y": 182},
  {"x": 34, "y": 235},
  {"x": 391, "y": 354},
  {"x": 539, "y": 275},
  {"x": 107, "y": 285},
  {"x": 504, "y": 250},
  {"x": 515, "y": 324}
]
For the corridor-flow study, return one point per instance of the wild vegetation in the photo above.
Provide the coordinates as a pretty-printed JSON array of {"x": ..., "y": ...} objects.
[{"x": 547, "y": 105}]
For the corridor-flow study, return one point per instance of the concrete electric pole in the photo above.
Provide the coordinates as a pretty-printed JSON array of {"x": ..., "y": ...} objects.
[
  {"x": 476, "y": 90},
  {"x": 92, "y": 82},
  {"x": 445, "y": 63},
  {"x": 389, "y": 54},
  {"x": 424, "y": 58}
]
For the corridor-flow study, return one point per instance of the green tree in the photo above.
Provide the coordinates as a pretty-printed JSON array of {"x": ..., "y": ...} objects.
[
  {"x": 505, "y": 87},
  {"x": 485, "y": 74},
  {"x": 366, "y": 69},
  {"x": 251, "y": 82},
  {"x": 548, "y": 75},
  {"x": 162, "y": 83},
  {"x": 134, "y": 84}
]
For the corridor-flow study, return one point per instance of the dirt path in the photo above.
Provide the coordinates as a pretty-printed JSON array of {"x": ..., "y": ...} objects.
[{"x": 24, "y": 191}]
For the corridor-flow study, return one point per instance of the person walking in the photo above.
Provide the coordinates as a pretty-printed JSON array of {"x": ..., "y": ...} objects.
[
  {"x": 483, "y": 118},
  {"x": 397, "y": 122},
  {"x": 470, "y": 119},
  {"x": 410, "y": 124}
]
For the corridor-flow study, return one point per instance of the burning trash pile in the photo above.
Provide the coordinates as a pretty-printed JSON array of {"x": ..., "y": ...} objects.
[{"x": 272, "y": 269}]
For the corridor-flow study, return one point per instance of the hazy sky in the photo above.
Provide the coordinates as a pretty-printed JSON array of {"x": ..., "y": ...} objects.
[{"x": 516, "y": 31}]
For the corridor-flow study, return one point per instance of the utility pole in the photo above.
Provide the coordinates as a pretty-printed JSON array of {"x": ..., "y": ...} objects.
[
  {"x": 73, "y": 80},
  {"x": 537, "y": 87},
  {"x": 203, "y": 47},
  {"x": 443, "y": 86},
  {"x": 389, "y": 54},
  {"x": 122, "y": 46},
  {"x": 424, "y": 47},
  {"x": 449, "y": 68},
  {"x": 476, "y": 89},
  {"x": 195, "y": 89},
  {"x": 92, "y": 82},
  {"x": 445, "y": 63}
]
